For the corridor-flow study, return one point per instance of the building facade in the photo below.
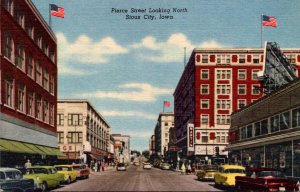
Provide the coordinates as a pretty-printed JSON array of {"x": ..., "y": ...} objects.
[
  {"x": 267, "y": 132},
  {"x": 215, "y": 83},
  {"x": 83, "y": 134},
  {"x": 122, "y": 148},
  {"x": 152, "y": 145},
  {"x": 28, "y": 89},
  {"x": 164, "y": 122}
]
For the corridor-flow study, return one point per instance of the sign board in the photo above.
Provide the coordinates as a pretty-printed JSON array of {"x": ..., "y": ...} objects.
[{"x": 190, "y": 136}]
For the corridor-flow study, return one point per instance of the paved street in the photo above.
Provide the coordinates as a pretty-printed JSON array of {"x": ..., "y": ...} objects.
[{"x": 138, "y": 179}]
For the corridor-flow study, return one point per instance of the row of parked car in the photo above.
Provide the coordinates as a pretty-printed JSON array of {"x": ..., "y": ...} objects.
[
  {"x": 41, "y": 178},
  {"x": 252, "y": 179}
]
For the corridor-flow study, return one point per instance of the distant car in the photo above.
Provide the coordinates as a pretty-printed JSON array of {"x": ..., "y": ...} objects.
[
  {"x": 147, "y": 166},
  {"x": 225, "y": 176},
  {"x": 165, "y": 166},
  {"x": 44, "y": 177},
  {"x": 265, "y": 179},
  {"x": 70, "y": 174},
  {"x": 207, "y": 173},
  {"x": 121, "y": 167},
  {"x": 82, "y": 170},
  {"x": 12, "y": 180}
]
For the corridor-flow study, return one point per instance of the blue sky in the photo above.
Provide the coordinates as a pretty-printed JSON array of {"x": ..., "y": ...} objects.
[{"x": 127, "y": 68}]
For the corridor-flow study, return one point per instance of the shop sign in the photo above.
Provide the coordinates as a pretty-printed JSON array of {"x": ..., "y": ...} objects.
[{"x": 190, "y": 137}]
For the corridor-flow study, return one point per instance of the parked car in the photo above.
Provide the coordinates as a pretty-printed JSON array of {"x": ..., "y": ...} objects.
[
  {"x": 207, "y": 172},
  {"x": 82, "y": 170},
  {"x": 12, "y": 180},
  {"x": 265, "y": 179},
  {"x": 165, "y": 166},
  {"x": 69, "y": 173},
  {"x": 44, "y": 177},
  {"x": 147, "y": 166},
  {"x": 225, "y": 176},
  {"x": 121, "y": 167}
]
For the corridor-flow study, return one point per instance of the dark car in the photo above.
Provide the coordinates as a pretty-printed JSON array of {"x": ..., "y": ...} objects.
[
  {"x": 265, "y": 179},
  {"x": 12, "y": 180}
]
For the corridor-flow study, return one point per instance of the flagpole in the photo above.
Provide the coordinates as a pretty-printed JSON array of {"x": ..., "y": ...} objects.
[
  {"x": 163, "y": 106},
  {"x": 261, "y": 19},
  {"x": 50, "y": 15}
]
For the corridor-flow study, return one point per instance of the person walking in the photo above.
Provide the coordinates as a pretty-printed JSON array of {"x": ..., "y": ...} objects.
[
  {"x": 189, "y": 169},
  {"x": 183, "y": 169}
]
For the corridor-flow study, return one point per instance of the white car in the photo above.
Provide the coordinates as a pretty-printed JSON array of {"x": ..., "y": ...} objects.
[
  {"x": 121, "y": 167},
  {"x": 147, "y": 166}
]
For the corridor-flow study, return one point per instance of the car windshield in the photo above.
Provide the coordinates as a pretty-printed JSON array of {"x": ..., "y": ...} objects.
[
  {"x": 76, "y": 167},
  {"x": 270, "y": 174},
  {"x": 36, "y": 171},
  {"x": 61, "y": 168},
  {"x": 13, "y": 175},
  {"x": 234, "y": 171},
  {"x": 120, "y": 165}
]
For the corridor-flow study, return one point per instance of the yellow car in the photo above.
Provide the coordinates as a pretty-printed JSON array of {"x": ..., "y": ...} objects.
[
  {"x": 207, "y": 172},
  {"x": 69, "y": 173},
  {"x": 225, "y": 176}
]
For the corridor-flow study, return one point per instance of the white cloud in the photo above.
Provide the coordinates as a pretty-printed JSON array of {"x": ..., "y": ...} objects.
[
  {"x": 171, "y": 50},
  {"x": 85, "y": 51},
  {"x": 140, "y": 92},
  {"x": 139, "y": 114}
]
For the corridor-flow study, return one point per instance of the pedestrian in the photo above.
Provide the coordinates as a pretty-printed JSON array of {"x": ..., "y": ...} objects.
[
  {"x": 102, "y": 165},
  {"x": 183, "y": 169},
  {"x": 96, "y": 167},
  {"x": 189, "y": 169},
  {"x": 27, "y": 164},
  {"x": 99, "y": 166}
]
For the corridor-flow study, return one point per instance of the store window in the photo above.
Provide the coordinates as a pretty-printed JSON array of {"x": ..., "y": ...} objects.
[{"x": 275, "y": 123}]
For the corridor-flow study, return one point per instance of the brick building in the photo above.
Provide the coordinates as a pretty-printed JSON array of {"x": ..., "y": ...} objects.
[
  {"x": 28, "y": 89},
  {"x": 215, "y": 83}
]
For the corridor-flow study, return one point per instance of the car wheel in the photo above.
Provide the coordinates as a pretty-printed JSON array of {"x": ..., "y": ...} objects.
[{"x": 44, "y": 186}]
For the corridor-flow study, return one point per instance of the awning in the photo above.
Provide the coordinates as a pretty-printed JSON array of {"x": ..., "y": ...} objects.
[{"x": 21, "y": 147}]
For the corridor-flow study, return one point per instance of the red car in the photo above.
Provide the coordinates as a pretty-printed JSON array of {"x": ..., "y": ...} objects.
[
  {"x": 82, "y": 170},
  {"x": 265, "y": 179}
]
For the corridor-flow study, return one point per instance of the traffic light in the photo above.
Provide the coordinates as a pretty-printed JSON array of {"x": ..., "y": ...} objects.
[{"x": 217, "y": 150}]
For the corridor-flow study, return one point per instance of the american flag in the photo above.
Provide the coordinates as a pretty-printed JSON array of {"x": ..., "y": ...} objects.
[
  {"x": 269, "y": 21},
  {"x": 57, "y": 11}
]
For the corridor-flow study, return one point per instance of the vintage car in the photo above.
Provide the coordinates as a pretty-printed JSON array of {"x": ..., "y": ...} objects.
[
  {"x": 82, "y": 170},
  {"x": 121, "y": 167},
  {"x": 265, "y": 179},
  {"x": 225, "y": 176},
  {"x": 44, "y": 177},
  {"x": 207, "y": 172},
  {"x": 70, "y": 174},
  {"x": 165, "y": 166},
  {"x": 147, "y": 166},
  {"x": 12, "y": 180}
]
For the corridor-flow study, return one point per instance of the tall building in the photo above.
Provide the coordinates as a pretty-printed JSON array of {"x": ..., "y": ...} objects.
[
  {"x": 164, "y": 122},
  {"x": 152, "y": 145},
  {"x": 28, "y": 89},
  {"x": 215, "y": 83},
  {"x": 122, "y": 148},
  {"x": 82, "y": 132}
]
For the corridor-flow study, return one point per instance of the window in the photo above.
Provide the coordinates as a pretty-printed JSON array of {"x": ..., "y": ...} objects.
[
  {"x": 8, "y": 45},
  {"x": 38, "y": 39},
  {"x": 74, "y": 119},
  {"x": 60, "y": 119},
  {"x": 46, "y": 79},
  {"x": 205, "y": 89},
  {"x": 19, "y": 58},
  {"x": 38, "y": 72},
  {"x": 204, "y": 119},
  {"x": 264, "y": 127},
  {"x": 275, "y": 123},
  {"x": 60, "y": 137},
  {"x": 45, "y": 49},
  {"x": 255, "y": 59},
  {"x": 291, "y": 58},
  {"x": 204, "y": 138},
  {"x": 284, "y": 120},
  {"x": 9, "y": 6},
  {"x": 204, "y": 58},
  {"x": 257, "y": 129},
  {"x": 38, "y": 113},
  {"x": 166, "y": 123},
  {"x": 205, "y": 74},
  {"x": 223, "y": 59},
  {"x": 296, "y": 117},
  {"x": 29, "y": 29},
  {"x": 46, "y": 111},
  {"x": 204, "y": 104},
  {"x": 223, "y": 89},
  {"x": 21, "y": 98},
  {"x": 223, "y": 140},
  {"x": 30, "y": 104},
  {"x": 242, "y": 89},
  {"x": 243, "y": 133},
  {"x": 20, "y": 18},
  {"x": 74, "y": 137},
  {"x": 255, "y": 89},
  {"x": 9, "y": 92},
  {"x": 242, "y": 59},
  {"x": 30, "y": 66},
  {"x": 223, "y": 119},
  {"x": 223, "y": 104},
  {"x": 241, "y": 74},
  {"x": 51, "y": 88},
  {"x": 241, "y": 104},
  {"x": 52, "y": 56},
  {"x": 51, "y": 117},
  {"x": 224, "y": 74},
  {"x": 254, "y": 74}
]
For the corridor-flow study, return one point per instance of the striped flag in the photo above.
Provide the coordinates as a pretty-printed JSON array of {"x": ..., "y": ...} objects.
[
  {"x": 57, "y": 11},
  {"x": 269, "y": 21}
]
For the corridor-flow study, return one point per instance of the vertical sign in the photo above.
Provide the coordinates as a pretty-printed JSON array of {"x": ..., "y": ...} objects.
[{"x": 190, "y": 137}]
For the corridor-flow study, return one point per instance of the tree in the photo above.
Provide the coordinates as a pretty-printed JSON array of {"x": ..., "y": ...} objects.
[
  {"x": 146, "y": 154},
  {"x": 136, "y": 152}
]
